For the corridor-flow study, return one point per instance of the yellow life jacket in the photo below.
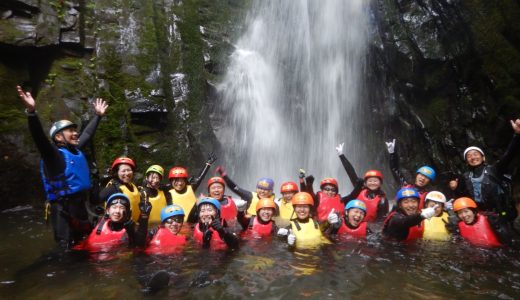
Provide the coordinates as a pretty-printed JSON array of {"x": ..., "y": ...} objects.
[
  {"x": 186, "y": 200},
  {"x": 285, "y": 208},
  {"x": 251, "y": 211},
  {"x": 135, "y": 198},
  {"x": 435, "y": 228},
  {"x": 158, "y": 203},
  {"x": 308, "y": 234}
]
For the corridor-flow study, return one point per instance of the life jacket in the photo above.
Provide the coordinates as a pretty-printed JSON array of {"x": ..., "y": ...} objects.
[
  {"x": 307, "y": 234},
  {"x": 103, "y": 239},
  {"x": 260, "y": 229},
  {"x": 134, "y": 196},
  {"x": 228, "y": 211},
  {"x": 435, "y": 228},
  {"x": 74, "y": 179},
  {"x": 371, "y": 203},
  {"x": 158, "y": 203},
  {"x": 327, "y": 204},
  {"x": 164, "y": 242},
  {"x": 251, "y": 210},
  {"x": 414, "y": 232},
  {"x": 359, "y": 232},
  {"x": 285, "y": 209},
  {"x": 185, "y": 200},
  {"x": 480, "y": 233},
  {"x": 216, "y": 243}
]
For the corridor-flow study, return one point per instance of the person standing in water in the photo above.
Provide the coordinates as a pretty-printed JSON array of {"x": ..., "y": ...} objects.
[{"x": 64, "y": 169}]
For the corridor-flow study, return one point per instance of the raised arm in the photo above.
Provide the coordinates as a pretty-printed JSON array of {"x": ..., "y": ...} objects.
[
  {"x": 351, "y": 172},
  {"x": 100, "y": 107},
  {"x": 244, "y": 194},
  {"x": 196, "y": 181},
  {"x": 512, "y": 149}
]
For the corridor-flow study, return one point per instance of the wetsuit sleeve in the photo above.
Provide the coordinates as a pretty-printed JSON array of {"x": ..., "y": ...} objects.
[
  {"x": 196, "y": 181},
  {"x": 351, "y": 172},
  {"x": 51, "y": 156},
  {"x": 382, "y": 208},
  {"x": 193, "y": 217},
  {"x": 168, "y": 196},
  {"x": 355, "y": 192},
  {"x": 507, "y": 157},
  {"x": 396, "y": 171},
  {"x": 398, "y": 226},
  {"x": 141, "y": 234},
  {"x": 230, "y": 238},
  {"x": 244, "y": 194},
  {"x": 501, "y": 229},
  {"x": 130, "y": 232},
  {"x": 108, "y": 191},
  {"x": 89, "y": 131}
]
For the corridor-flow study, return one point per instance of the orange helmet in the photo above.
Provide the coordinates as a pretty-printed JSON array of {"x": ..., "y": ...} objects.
[
  {"x": 177, "y": 172},
  {"x": 123, "y": 160},
  {"x": 332, "y": 181},
  {"x": 288, "y": 186},
  {"x": 302, "y": 198},
  {"x": 373, "y": 173},
  {"x": 463, "y": 202},
  {"x": 216, "y": 179},
  {"x": 265, "y": 203}
]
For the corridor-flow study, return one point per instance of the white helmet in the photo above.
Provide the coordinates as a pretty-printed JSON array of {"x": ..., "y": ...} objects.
[
  {"x": 436, "y": 196},
  {"x": 472, "y": 148}
]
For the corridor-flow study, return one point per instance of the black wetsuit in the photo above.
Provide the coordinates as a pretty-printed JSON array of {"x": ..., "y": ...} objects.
[
  {"x": 68, "y": 216},
  {"x": 400, "y": 177},
  {"x": 398, "y": 224}
]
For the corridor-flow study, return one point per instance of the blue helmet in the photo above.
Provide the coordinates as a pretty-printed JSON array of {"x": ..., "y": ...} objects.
[
  {"x": 211, "y": 201},
  {"x": 356, "y": 204},
  {"x": 171, "y": 211},
  {"x": 427, "y": 171},
  {"x": 407, "y": 193},
  {"x": 118, "y": 198},
  {"x": 265, "y": 184}
]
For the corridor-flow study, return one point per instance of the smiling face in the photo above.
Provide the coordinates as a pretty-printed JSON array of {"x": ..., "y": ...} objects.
[
  {"x": 125, "y": 174},
  {"x": 67, "y": 136},
  {"x": 207, "y": 213},
  {"x": 265, "y": 214},
  {"x": 174, "y": 224},
  {"x": 263, "y": 193},
  {"x": 355, "y": 216},
  {"x": 409, "y": 205},
  {"x": 421, "y": 180},
  {"x": 179, "y": 184},
  {"x": 287, "y": 196},
  {"x": 329, "y": 190},
  {"x": 117, "y": 212},
  {"x": 302, "y": 211},
  {"x": 466, "y": 215},
  {"x": 373, "y": 183},
  {"x": 154, "y": 180},
  {"x": 216, "y": 190},
  {"x": 438, "y": 210},
  {"x": 474, "y": 158}
]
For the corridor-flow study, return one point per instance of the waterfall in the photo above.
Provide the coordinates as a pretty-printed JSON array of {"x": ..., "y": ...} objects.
[{"x": 293, "y": 89}]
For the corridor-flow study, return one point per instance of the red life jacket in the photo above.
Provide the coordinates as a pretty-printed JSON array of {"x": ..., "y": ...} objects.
[
  {"x": 414, "y": 232},
  {"x": 216, "y": 243},
  {"x": 327, "y": 204},
  {"x": 164, "y": 242},
  {"x": 229, "y": 210},
  {"x": 480, "y": 233},
  {"x": 422, "y": 194},
  {"x": 371, "y": 205},
  {"x": 359, "y": 232},
  {"x": 103, "y": 240},
  {"x": 260, "y": 229}
]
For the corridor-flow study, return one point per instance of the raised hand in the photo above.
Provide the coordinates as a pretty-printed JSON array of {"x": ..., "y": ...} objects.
[
  {"x": 27, "y": 99},
  {"x": 516, "y": 126},
  {"x": 100, "y": 106},
  {"x": 390, "y": 146},
  {"x": 339, "y": 149},
  {"x": 211, "y": 158}
]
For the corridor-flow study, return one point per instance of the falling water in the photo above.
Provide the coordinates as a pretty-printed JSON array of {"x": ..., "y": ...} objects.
[{"x": 293, "y": 88}]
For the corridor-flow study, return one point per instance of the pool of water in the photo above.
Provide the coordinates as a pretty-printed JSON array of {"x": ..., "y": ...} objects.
[{"x": 260, "y": 268}]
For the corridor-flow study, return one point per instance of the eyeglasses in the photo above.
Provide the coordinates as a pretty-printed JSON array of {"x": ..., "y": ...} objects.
[
  {"x": 328, "y": 189},
  {"x": 174, "y": 219}
]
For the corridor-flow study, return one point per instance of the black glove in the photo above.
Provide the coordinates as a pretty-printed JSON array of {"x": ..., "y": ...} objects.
[
  {"x": 206, "y": 238},
  {"x": 145, "y": 207},
  {"x": 217, "y": 225},
  {"x": 211, "y": 158},
  {"x": 309, "y": 180}
]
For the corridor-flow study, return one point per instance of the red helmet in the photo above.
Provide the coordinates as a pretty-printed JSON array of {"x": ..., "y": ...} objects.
[
  {"x": 123, "y": 160},
  {"x": 288, "y": 186},
  {"x": 216, "y": 179},
  {"x": 332, "y": 181},
  {"x": 177, "y": 172},
  {"x": 374, "y": 173}
]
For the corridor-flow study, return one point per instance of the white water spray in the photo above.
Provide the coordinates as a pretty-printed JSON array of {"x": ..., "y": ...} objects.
[{"x": 291, "y": 90}]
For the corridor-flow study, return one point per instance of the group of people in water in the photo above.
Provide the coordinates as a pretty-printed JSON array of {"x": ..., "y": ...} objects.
[{"x": 153, "y": 216}]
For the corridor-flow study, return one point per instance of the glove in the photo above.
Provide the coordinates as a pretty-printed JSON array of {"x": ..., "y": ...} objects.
[
  {"x": 309, "y": 180},
  {"x": 283, "y": 231},
  {"x": 339, "y": 149},
  {"x": 217, "y": 225},
  {"x": 291, "y": 239},
  {"x": 333, "y": 218},
  {"x": 302, "y": 173},
  {"x": 206, "y": 238},
  {"x": 390, "y": 146},
  {"x": 221, "y": 171},
  {"x": 211, "y": 158},
  {"x": 240, "y": 204},
  {"x": 429, "y": 212},
  {"x": 145, "y": 207},
  {"x": 448, "y": 205}
]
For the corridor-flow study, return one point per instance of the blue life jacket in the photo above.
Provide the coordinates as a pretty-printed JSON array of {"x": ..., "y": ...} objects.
[{"x": 74, "y": 179}]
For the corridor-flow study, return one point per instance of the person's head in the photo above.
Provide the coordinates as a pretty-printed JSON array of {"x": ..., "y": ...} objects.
[
  {"x": 355, "y": 212},
  {"x": 208, "y": 210},
  {"x": 408, "y": 201},
  {"x": 216, "y": 187},
  {"x": 474, "y": 156},
  {"x": 435, "y": 198},
  {"x": 424, "y": 176},
  {"x": 373, "y": 180},
  {"x": 329, "y": 186},
  {"x": 154, "y": 176},
  {"x": 264, "y": 187},
  {"x": 178, "y": 177},
  {"x": 466, "y": 209},
  {"x": 64, "y": 132},
  {"x": 172, "y": 218},
  {"x": 302, "y": 203},
  {"x": 118, "y": 208},
  {"x": 123, "y": 169},
  {"x": 288, "y": 190},
  {"x": 265, "y": 209}
]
